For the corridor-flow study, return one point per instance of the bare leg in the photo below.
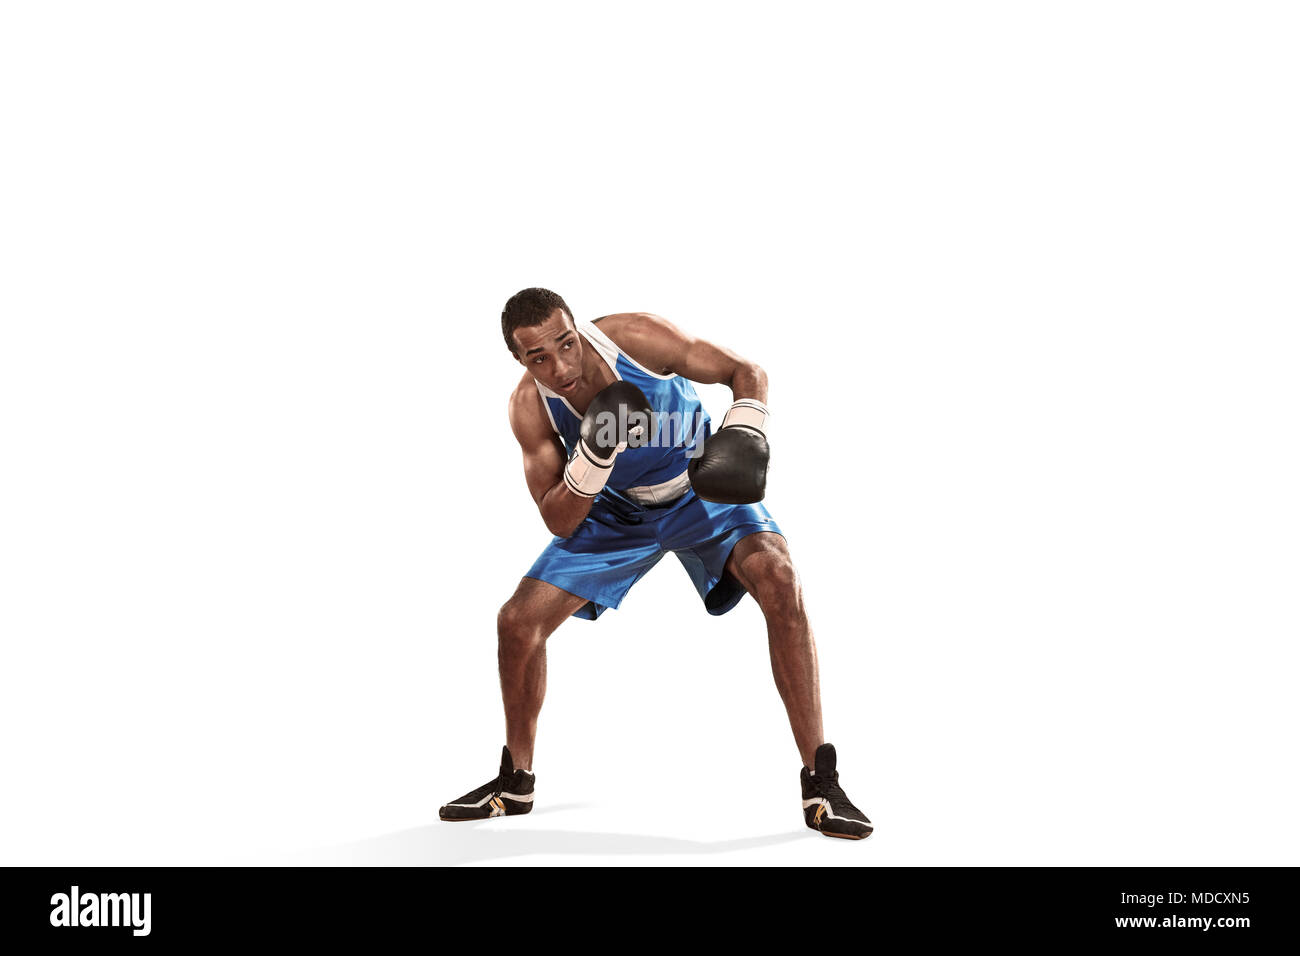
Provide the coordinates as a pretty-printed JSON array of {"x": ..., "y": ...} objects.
[
  {"x": 523, "y": 625},
  {"x": 762, "y": 565}
]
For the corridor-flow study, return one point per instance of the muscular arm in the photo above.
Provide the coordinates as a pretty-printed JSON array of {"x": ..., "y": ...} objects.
[
  {"x": 544, "y": 461},
  {"x": 662, "y": 347}
]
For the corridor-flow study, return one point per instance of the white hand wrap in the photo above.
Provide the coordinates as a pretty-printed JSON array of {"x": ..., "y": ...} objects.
[
  {"x": 748, "y": 413},
  {"x": 586, "y": 472}
]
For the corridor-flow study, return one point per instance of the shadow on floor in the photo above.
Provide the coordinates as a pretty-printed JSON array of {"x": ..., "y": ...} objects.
[{"x": 454, "y": 844}]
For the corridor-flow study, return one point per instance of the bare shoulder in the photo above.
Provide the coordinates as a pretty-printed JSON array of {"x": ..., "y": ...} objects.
[
  {"x": 527, "y": 416},
  {"x": 635, "y": 325},
  {"x": 650, "y": 339}
]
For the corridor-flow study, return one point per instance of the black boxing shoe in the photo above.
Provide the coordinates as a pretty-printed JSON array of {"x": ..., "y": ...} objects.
[
  {"x": 510, "y": 793},
  {"x": 826, "y": 807}
]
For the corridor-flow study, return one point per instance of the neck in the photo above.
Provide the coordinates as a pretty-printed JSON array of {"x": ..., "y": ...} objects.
[{"x": 596, "y": 375}]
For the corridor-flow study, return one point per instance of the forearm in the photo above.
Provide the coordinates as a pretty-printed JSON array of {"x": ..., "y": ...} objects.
[
  {"x": 563, "y": 511},
  {"x": 565, "y": 504},
  {"x": 749, "y": 381}
]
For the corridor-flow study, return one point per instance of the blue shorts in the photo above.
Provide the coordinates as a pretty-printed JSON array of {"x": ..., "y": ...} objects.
[{"x": 617, "y": 544}]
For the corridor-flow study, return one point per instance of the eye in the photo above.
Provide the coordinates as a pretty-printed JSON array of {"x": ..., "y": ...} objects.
[{"x": 568, "y": 345}]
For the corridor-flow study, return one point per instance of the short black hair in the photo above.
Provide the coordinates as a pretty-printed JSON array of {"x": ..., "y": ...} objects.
[{"x": 527, "y": 308}]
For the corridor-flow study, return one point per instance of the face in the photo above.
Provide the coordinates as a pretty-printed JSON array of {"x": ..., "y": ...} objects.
[{"x": 552, "y": 353}]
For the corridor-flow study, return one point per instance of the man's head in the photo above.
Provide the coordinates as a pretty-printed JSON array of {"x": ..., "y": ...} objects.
[
  {"x": 538, "y": 328},
  {"x": 527, "y": 308}
]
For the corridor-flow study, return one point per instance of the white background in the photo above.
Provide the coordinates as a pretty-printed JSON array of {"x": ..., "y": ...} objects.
[{"x": 1023, "y": 277}]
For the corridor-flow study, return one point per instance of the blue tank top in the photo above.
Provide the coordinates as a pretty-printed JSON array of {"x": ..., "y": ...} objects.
[{"x": 681, "y": 423}]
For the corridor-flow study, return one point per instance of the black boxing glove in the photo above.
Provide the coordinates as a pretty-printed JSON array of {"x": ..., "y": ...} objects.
[
  {"x": 617, "y": 417},
  {"x": 732, "y": 469}
]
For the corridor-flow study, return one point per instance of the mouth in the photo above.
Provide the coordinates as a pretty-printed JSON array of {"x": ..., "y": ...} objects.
[{"x": 568, "y": 387}]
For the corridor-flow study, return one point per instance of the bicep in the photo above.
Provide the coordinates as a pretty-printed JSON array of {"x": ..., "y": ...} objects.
[
  {"x": 661, "y": 346},
  {"x": 544, "y": 461},
  {"x": 544, "y": 456},
  {"x": 709, "y": 364}
]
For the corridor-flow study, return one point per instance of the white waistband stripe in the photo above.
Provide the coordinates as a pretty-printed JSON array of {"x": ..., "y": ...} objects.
[{"x": 662, "y": 493}]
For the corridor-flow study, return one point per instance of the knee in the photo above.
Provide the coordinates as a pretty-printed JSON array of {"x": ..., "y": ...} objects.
[
  {"x": 515, "y": 629},
  {"x": 776, "y": 588}
]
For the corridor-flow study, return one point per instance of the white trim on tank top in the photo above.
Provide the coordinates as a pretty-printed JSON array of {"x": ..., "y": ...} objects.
[
  {"x": 542, "y": 390},
  {"x": 609, "y": 343}
]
